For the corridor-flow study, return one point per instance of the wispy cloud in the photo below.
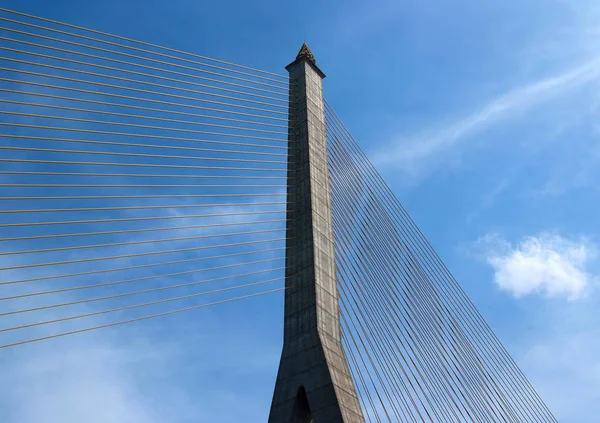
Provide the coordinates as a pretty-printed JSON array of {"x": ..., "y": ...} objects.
[
  {"x": 567, "y": 359},
  {"x": 546, "y": 264},
  {"x": 133, "y": 374},
  {"x": 76, "y": 382},
  {"x": 563, "y": 357},
  {"x": 582, "y": 173},
  {"x": 417, "y": 152},
  {"x": 489, "y": 198}
]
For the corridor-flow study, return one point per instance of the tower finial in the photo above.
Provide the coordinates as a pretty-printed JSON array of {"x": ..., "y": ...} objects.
[
  {"x": 305, "y": 56},
  {"x": 305, "y": 53}
]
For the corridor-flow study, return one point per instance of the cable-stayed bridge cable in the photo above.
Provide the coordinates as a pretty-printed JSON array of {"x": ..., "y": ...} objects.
[
  {"x": 149, "y": 59},
  {"x": 490, "y": 394},
  {"x": 140, "y": 266},
  {"x": 130, "y": 106},
  {"x": 215, "y": 87},
  {"x": 123, "y": 256},
  {"x": 28, "y": 341},
  {"x": 517, "y": 399},
  {"x": 256, "y": 105},
  {"x": 127, "y": 97},
  {"x": 149, "y": 45},
  {"x": 96, "y": 313},
  {"x": 136, "y": 107},
  {"x": 161, "y": 119},
  {"x": 130, "y": 219}
]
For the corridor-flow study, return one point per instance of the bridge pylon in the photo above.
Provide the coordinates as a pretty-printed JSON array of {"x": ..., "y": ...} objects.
[{"x": 313, "y": 384}]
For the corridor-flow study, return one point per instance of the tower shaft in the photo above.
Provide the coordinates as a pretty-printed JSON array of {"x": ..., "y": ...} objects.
[{"x": 313, "y": 383}]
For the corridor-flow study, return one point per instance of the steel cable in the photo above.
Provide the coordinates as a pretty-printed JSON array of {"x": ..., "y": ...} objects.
[
  {"x": 386, "y": 191},
  {"x": 138, "y": 266},
  {"x": 138, "y": 99},
  {"x": 146, "y": 207},
  {"x": 133, "y": 125},
  {"x": 129, "y": 115},
  {"x": 140, "y": 292},
  {"x": 128, "y": 219},
  {"x": 132, "y": 280},
  {"x": 97, "y": 313},
  {"x": 282, "y": 93},
  {"x": 28, "y": 341},
  {"x": 121, "y": 154},
  {"x": 125, "y": 231},
  {"x": 149, "y": 45},
  {"x": 137, "y": 81},
  {"x": 123, "y": 256},
  {"x": 369, "y": 220},
  {"x": 148, "y": 241},
  {"x": 138, "y": 90}
]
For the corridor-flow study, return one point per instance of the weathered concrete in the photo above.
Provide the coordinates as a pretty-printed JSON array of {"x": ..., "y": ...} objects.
[{"x": 313, "y": 382}]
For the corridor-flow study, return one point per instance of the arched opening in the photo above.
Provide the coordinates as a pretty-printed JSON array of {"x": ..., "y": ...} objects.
[{"x": 302, "y": 412}]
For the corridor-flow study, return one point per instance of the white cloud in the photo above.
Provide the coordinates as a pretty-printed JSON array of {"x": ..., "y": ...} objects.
[{"x": 547, "y": 264}]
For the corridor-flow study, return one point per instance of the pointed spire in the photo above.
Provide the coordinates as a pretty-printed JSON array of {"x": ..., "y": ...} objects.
[{"x": 305, "y": 53}]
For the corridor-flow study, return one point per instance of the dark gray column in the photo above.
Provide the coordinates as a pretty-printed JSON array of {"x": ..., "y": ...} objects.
[{"x": 313, "y": 382}]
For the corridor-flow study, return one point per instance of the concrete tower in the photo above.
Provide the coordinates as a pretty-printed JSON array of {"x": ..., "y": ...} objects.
[{"x": 313, "y": 383}]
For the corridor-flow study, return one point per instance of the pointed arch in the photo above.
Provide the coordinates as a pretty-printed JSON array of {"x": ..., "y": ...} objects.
[{"x": 302, "y": 412}]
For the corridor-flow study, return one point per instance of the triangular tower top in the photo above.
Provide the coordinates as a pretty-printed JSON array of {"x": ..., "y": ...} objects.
[{"x": 305, "y": 53}]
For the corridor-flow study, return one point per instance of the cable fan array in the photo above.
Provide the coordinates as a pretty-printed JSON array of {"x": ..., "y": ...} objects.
[
  {"x": 136, "y": 181},
  {"x": 417, "y": 347}
]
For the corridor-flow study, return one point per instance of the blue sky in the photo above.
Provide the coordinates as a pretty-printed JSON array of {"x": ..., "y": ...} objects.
[{"x": 483, "y": 117}]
